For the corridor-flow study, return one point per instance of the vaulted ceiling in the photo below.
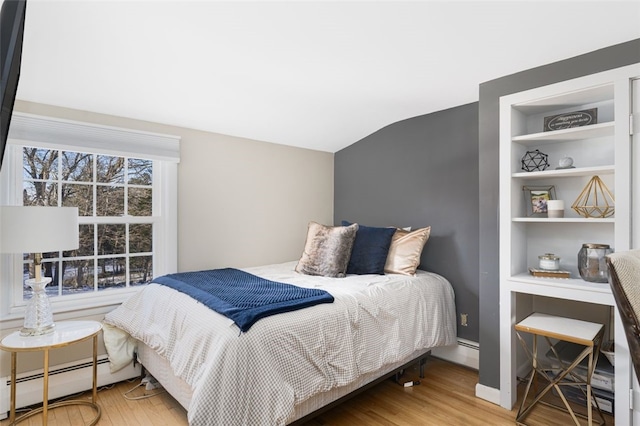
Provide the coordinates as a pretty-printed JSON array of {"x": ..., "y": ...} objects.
[{"x": 314, "y": 74}]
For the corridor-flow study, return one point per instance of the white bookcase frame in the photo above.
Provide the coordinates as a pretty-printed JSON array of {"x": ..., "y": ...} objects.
[{"x": 602, "y": 149}]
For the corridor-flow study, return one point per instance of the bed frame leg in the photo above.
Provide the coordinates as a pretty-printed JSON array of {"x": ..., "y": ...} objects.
[{"x": 422, "y": 363}]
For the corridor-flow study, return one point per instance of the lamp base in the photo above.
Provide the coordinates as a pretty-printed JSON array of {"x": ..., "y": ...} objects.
[
  {"x": 26, "y": 332},
  {"x": 38, "y": 317}
]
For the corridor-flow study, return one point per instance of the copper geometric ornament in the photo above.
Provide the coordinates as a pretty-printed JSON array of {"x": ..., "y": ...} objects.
[
  {"x": 595, "y": 200},
  {"x": 533, "y": 161}
]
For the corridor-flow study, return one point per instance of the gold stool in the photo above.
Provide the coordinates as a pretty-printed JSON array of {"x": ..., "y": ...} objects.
[{"x": 587, "y": 334}]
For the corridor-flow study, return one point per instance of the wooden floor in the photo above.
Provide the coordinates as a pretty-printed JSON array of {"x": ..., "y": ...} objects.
[{"x": 446, "y": 396}]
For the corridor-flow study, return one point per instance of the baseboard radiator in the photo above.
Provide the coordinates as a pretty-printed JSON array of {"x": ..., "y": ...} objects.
[
  {"x": 64, "y": 380},
  {"x": 465, "y": 352}
]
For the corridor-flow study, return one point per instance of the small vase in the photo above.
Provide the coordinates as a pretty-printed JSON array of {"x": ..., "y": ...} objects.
[{"x": 591, "y": 262}]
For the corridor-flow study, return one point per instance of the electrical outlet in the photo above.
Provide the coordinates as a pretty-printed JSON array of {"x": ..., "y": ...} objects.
[{"x": 463, "y": 319}]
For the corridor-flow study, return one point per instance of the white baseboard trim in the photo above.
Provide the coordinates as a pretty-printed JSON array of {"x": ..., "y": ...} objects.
[
  {"x": 488, "y": 394},
  {"x": 465, "y": 353},
  {"x": 65, "y": 379}
]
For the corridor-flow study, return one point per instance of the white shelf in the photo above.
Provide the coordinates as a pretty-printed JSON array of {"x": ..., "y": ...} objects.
[
  {"x": 573, "y": 284},
  {"x": 563, "y": 288},
  {"x": 572, "y": 134},
  {"x": 564, "y": 220},
  {"x": 575, "y": 172}
]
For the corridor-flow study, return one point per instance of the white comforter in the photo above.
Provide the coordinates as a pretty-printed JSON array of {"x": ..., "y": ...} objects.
[{"x": 257, "y": 377}]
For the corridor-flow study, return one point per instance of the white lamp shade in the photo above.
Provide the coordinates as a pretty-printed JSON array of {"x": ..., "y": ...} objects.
[{"x": 31, "y": 229}]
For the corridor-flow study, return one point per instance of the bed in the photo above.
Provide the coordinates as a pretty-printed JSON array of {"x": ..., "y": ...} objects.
[{"x": 288, "y": 365}]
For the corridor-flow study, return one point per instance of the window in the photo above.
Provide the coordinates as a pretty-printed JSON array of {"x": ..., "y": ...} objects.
[
  {"x": 114, "y": 196},
  {"x": 126, "y": 202}
]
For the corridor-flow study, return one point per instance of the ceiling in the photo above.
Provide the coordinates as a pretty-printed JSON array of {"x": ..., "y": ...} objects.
[{"x": 320, "y": 75}]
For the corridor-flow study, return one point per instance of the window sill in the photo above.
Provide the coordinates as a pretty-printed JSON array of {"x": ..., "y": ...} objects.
[{"x": 70, "y": 307}]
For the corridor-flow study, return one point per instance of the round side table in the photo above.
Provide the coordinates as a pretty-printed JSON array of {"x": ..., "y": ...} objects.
[{"x": 66, "y": 333}]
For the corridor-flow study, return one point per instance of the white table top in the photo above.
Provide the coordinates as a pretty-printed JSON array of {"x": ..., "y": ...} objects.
[
  {"x": 568, "y": 329},
  {"x": 65, "y": 333}
]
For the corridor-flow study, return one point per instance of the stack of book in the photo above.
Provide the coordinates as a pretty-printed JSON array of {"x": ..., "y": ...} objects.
[
  {"x": 602, "y": 380},
  {"x": 545, "y": 273}
]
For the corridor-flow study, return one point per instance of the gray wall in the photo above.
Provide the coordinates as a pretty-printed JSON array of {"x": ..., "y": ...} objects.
[
  {"x": 421, "y": 172},
  {"x": 490, "y": 92}
]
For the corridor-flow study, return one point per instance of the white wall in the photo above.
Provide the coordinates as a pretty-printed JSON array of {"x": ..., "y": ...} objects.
[{"x": 243, "y": 202}]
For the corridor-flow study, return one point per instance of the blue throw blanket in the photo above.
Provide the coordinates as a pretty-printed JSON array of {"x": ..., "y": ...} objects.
[{"x": 243, "y": 297}]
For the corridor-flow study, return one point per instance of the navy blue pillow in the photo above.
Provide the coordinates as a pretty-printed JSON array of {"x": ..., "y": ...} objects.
[{"x": 370, "y": 249}]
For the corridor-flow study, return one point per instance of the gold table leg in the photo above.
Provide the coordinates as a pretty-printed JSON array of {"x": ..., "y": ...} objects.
[
  {"x": 12, "y": 415},
  {"x": 95, "y": 369},
  {"x": 45, "y": 388}
]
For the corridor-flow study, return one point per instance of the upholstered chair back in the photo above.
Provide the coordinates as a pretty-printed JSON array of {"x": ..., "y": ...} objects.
[{"x": 624, "y": 278}]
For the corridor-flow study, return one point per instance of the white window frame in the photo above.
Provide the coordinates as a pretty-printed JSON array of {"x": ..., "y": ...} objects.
[{"x": 53, "y": 133}]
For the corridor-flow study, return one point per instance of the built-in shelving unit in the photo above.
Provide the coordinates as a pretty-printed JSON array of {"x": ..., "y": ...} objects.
[{"x": 601, "y": 149}]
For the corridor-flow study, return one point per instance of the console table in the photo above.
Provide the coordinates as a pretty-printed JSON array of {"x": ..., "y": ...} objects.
[{"x": 66, "y": 333}]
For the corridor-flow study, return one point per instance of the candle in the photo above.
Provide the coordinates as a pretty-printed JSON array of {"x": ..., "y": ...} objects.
[
  {"x": 555, "y": 204},
  {"x": 555, "y": 208}
]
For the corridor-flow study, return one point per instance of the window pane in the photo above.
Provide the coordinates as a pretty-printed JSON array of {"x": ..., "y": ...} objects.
[
  {"x": 48, "y": 268},
  {"x": 140, "y": 202},
  {"x": 26, "y": 274},
  {"x": 111, "y": 273},
  {"x": 109, "y": 169},
  {"x": 109, "y": 201},
  {"x": 140, "y": 171},
  {"x": 77, "y": 166},
  {"x": 39, "y": 163},
  {"x": 39, "y": 194},
  {"x": 78, "y": 276},
  {"x": 140, "y": 238},
  {"x": 51, "y": 269},
  {"x": 140, "y": 270},
  {"x": 85, "y": 240},
  {"x": 80, "y": 196},
  {"x": 111, "y": 239}
]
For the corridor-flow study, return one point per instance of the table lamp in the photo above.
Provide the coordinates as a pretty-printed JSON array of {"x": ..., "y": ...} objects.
[{"x": 37, "y": 230}]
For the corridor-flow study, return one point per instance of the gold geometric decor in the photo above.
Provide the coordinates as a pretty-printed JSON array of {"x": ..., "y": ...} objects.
[{"x": 595, "y": 200}]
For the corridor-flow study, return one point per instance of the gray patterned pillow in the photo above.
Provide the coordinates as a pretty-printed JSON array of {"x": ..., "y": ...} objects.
[{"x": 327, "y": 250}]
